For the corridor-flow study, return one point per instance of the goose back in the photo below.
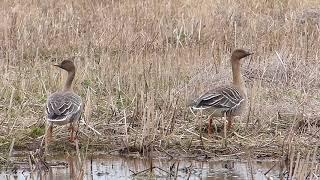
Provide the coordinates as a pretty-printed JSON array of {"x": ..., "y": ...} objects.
[
  {"x": 64, "y": 107},
  {"x": 229, "y": 100}
]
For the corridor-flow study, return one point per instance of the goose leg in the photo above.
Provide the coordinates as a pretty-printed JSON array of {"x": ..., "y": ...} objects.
[
  {"x": 71, "y": 129},
  {"x": 76, "y": 130},
  {"x": 229, "y": 126},
  {"x": 210, "y": 127},
  {"x": 49, "y": 133},
  {"x": 47, "y": 137}
]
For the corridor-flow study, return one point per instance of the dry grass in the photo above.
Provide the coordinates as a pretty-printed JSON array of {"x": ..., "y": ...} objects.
[{"x": 140, "y": 62}]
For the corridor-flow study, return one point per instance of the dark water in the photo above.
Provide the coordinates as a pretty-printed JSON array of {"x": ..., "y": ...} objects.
[{"x": 133, "y": 168}]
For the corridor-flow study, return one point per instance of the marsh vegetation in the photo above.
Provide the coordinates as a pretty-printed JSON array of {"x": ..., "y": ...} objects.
[{"x": 139, "y": 63}]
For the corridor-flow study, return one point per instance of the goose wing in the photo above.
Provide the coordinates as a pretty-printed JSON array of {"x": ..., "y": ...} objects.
[
  {"x": 227, "y": 98},
  {"x": 63, "y": 106}
]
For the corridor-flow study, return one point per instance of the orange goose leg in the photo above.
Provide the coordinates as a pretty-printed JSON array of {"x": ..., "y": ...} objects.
[
  {"x": 48, "y": 137},
  {"x": 210, "y": 127},
  {"x": 74, "y": 132},
  {"x": 49, "y": 133},
  {"x": 71, "y": 128},
  {"x": 229, "y": 126}
]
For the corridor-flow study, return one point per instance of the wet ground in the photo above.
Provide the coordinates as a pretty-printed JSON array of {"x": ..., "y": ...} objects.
[{"x": 135, "y": 168}]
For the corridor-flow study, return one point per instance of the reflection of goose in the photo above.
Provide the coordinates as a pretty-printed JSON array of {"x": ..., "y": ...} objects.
[
  {"x": 227, "y": 100},
  {"x": 64, "y": 106}
]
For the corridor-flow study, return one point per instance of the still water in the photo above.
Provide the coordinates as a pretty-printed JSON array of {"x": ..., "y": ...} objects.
[{"x": 115, "y": 167}]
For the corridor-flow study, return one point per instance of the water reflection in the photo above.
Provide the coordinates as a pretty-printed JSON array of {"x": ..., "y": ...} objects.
[{"x": 136, "y": 168}]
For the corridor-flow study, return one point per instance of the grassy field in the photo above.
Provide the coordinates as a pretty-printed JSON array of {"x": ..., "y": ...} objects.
[{"x": 141, "y": 62}]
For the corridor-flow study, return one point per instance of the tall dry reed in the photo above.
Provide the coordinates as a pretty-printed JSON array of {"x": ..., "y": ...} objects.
[{"x": 141, "y": 62}]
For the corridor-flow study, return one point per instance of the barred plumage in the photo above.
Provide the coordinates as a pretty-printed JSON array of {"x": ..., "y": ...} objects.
[
  {"x": 65, "y": 106},
  {"x": 226, "y": 101},
  {"x": 223, "y": 100}
]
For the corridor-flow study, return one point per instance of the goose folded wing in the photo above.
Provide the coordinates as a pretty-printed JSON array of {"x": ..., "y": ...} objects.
[
  {"x": 59, "y": 109},
  {"x": 222, "y": 98}
]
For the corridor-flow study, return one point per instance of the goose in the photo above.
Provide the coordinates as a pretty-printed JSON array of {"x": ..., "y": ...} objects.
[
  {"x": 228, "y": 100},
  {"x": 64, "y": 106}
]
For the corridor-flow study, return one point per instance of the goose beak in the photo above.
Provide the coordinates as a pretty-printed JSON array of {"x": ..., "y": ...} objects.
[
  {"x": 249, "y": 54},
  {"x": 58, "y": 65}
]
